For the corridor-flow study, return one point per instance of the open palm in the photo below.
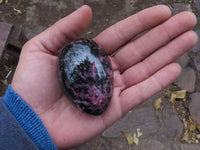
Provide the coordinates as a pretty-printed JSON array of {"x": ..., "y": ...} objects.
[{"x": 142, "y": 67}]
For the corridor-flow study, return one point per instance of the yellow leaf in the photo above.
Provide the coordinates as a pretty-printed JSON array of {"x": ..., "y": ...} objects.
[
  {"x": 137, "y": 136},
  {"x": 198, "y": 136},
  {"x": 1, "y": 1},
  {"x": 139, "y": 133},
  {"x": 177, "y": 95},
  {"x": 193, "y": 125},
  {"x": 133, "y": 139},
  {"x": 190, "y": 1},
  {"x": 89, "y": 32},
  {"x": 18, "y": 11},
  {"x": 136, "y": 139},
  {"x": 186, "y": 137},
  {"x": 129, "y": 137},
  {"x": 185, "y": 123},
  {"x": 157, "y": 104}
]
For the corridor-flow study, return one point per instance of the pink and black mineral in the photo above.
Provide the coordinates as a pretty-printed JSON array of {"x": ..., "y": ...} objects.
[{"x": 86, "y": 74}]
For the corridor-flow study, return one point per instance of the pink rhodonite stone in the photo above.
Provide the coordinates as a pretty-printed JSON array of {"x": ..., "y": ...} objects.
[{"x": 87, "y": 76}]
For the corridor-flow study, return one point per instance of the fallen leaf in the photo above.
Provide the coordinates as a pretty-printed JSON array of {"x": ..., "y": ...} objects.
[
  {"x": 129, "y": 137},
  {"x": 136, "y": 139},
  {"x": 198, "y": 136},
  {"x": 6, "y": 1},
  {"x": 186, "y": 137},
  {"x": 89, "y": 32},
  {"x": 177, "y": 95},
  {"x": 197, "y": 141},
  {"x": 137, "y": 136},
  {"x": 192, "y": 125},
  {"x": 1, "y": 1},
  {"x": 190, "y": 1},
  {"x": 133, "y": 139},
  {"x": 139, "y": 133},
  {"x": 157, "y": 104},
  {"x": 185, "y": 122},
  {"x": 18, "y": 11}
]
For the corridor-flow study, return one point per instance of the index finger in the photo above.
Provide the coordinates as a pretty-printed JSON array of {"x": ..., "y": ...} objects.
[{"x": 120, "y": 33}]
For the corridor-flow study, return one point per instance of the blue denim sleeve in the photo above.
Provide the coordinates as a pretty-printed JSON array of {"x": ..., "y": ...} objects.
[{"x": 28, "y": 120}]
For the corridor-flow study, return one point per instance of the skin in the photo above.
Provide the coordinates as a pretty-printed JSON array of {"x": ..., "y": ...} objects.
[{"x": 141, "y": 68}]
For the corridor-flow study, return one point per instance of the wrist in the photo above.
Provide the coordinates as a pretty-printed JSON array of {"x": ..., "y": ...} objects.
[{"x": 28, "y": 119}]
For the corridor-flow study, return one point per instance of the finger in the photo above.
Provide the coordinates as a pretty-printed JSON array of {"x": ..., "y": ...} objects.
[
  {"x": 159, "y": 59},
  {"x": 123, "y": 31},
  {"x": 139, "y": 93},
  {"x": 64, "y": 31},
  {"x": 154, "y": 39}
]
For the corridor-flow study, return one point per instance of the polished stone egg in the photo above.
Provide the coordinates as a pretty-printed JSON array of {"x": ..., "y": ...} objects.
[{"x": 86, "y": 75}]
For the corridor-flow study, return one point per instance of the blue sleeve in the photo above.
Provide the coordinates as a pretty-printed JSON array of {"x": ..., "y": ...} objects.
[
  {"x": 28, "y": 120},
  {"x": 12, "y": 135}
]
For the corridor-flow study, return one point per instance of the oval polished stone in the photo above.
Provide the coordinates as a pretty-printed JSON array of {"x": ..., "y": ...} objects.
[{"x": 87, "y": 76}]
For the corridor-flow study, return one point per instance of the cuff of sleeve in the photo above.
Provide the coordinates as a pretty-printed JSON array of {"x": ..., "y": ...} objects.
[{"x": 29, "y": 120}]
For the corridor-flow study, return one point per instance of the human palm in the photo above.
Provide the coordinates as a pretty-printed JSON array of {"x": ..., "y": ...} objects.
[{"x": 142, "y": 68}]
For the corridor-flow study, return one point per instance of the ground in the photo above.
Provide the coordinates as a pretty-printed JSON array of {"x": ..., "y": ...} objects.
[{"x": 173, "y": 126}]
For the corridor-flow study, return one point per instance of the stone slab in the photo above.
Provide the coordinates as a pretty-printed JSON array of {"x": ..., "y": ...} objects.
[
  {"x": 187, "y": 79},
  {"x": 194, "y": 106},
  {"x": 142, "y": 118}
]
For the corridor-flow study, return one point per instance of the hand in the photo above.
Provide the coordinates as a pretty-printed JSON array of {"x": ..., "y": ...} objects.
[{"x": 141, "y": 68}]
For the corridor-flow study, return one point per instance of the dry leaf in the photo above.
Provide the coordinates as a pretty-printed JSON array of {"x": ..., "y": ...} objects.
[
  {"x": 136, "y": 139},
  {"x": 6, "y": 1},
  {"x": 198, "y": 136},
  {"x": 139, "y": 133},
  {"x": 177, "y": 95},
  {"x": 157, "y": 104},
  {"x": 137, "y": 136},
  {"x": 129, "y": 137},
  {"x": 193, "y": 125},
  {"x": 1, "y": 1},
  {"x": 186, "y": 137},
  {"x": 133, "y": 139},
  {"x": 89, "y": 32},
  {"x": 197, "y": 141},
  {"x": 190, "y": 126},
  {"x": 190, "y": 1},
  {"x": 185, "y": 123},
  {"x": 18, "y": 11}
]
